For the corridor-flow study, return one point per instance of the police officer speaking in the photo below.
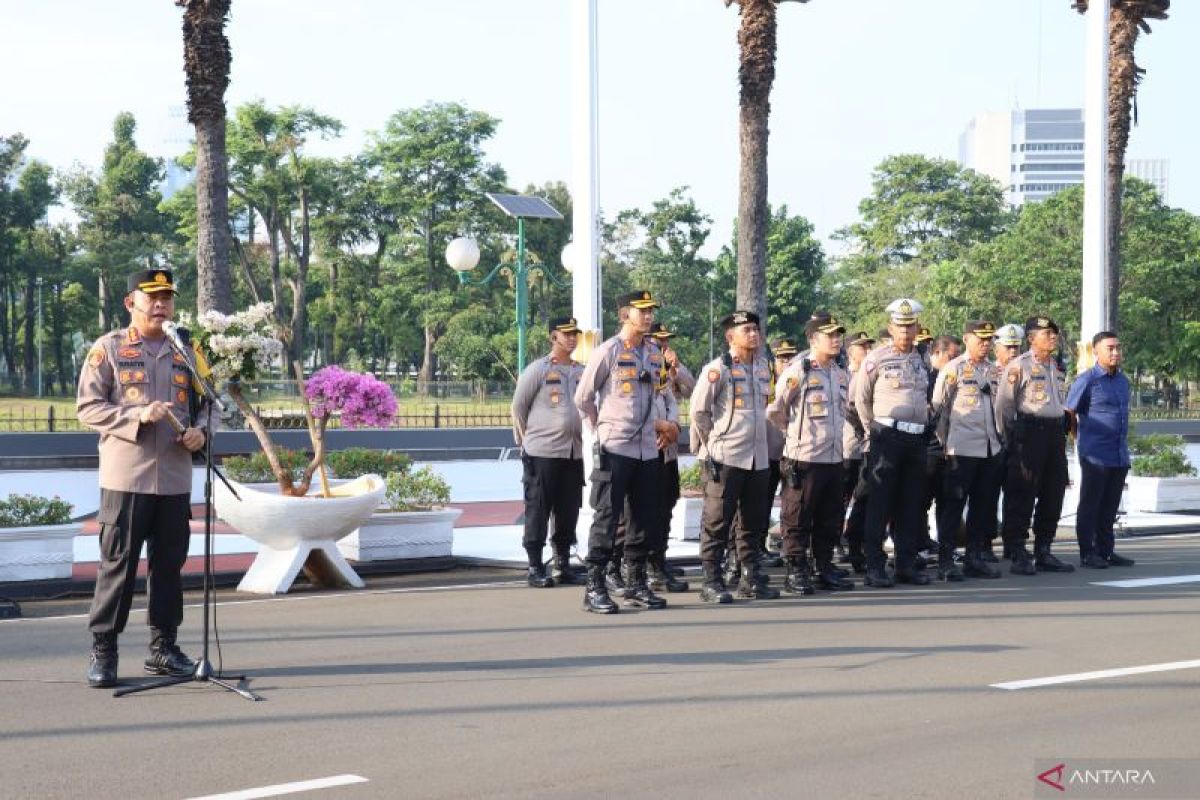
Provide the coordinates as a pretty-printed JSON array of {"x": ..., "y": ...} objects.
[
  {"x": 616, "y": 397},
  {"x": 890, "y": 396},
  {"x": 547, "y": 427},
  {"x": 729, "y": 436},
  {"x": 136, "y": 392},
  {"x": 1031, "y": 414}
]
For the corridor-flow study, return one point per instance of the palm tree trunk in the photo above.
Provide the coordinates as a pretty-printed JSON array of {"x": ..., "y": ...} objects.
[
  {"x": 756, "y": 73},
  {"x": 1122, "y": 86}
]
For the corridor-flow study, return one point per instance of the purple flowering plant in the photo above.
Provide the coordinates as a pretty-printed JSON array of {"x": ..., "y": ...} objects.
[{"x": 363, "y": 401}]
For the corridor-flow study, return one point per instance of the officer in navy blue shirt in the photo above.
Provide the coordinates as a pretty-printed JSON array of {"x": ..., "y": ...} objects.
[{"x": 1099, "y": 407}]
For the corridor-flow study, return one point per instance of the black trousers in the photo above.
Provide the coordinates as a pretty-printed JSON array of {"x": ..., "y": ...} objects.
[
  {"x": 622, "y": 478},
  {"x": 1099, "y": 498},
  {"x": 973, "y": 484},
  {"x": 742, "y": 493},
  {"x": 812, "y": 512},
  {"x": 128, "y": 519},
  {"x": 667, "y": 499},
  {"x": 1037, "y": 473},
  {"x": 854, "y": 494},
  {"x": 553, "y": 487},
  {"x": 773, "y": 481},
  {"x": 895, "y": 476}
]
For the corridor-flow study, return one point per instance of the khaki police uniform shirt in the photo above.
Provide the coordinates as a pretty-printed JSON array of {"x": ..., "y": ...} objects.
[
  {"x": 729, "y": 413},
  {"x": 966, "y": 412},
  {"x": 892, "y": 384},
  {"x": 546, "y": 422},
  {"x": 121, "y": 376},
  {"x": 616, "y": 402},
  {"x": 852, "y": 441},
  {"x": 683, "y": 383},
  {"x": 666, "y": 407},
  {"x": 1030, "y": 387},
  {"x": 811, "y": 407}
]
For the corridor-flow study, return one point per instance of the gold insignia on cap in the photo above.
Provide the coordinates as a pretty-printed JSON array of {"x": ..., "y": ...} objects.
[
  {"x": 645, "y": 295},
  {"x": 905, "y": 307},
  {"x": 160, "y": 277},
  {"x": 1043, "y": 322}
]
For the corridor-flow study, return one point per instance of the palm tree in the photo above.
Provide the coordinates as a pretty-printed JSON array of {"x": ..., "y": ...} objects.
[
  {"x": 756, "y": 73},
  {"x": 1126, "y": 20},
  {"x": 206, "y": 58}
]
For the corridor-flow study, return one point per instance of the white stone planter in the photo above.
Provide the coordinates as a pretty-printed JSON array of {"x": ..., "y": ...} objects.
[
  {"x": 37, "y": 552},
  {"x": 685, "y": 521},
  {"x": 297, "y": 533},
  {"x": 389, "y": 535},
  {"x": 1158, "y": 495}
]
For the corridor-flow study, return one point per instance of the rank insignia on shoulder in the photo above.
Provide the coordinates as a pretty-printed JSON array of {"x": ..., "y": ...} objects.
[
  {"x": 714, "y": 375},
  {"x": 96, "y": 357}
]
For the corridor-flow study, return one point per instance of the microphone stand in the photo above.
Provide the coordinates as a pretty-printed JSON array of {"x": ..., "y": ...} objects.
[{"x": 204, "y": 672}]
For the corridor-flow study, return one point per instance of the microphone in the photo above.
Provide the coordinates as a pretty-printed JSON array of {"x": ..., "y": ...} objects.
[{"x": 177, "y": 336}]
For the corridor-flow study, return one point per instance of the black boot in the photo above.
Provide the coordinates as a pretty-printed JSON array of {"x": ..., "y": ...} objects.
[
  {"x": 713, "y": 589},
  {"x": 165, "y": 657},
  {"x": 1045, "y": 561},
  {"x": 947, "y": 569},
  {"x": 798, "y": 579},
  {"x": 537, "y": 577},
  {"x": 102, "y": 664},
  {"x": 832, "y": 579},
  {"x": 733, "y": 568},
  {"x": 613, "y": 579},
  {"x": 753, "y": 584},
  {"x": 661, "y": 579},
  {"x": 977, "y": 566},
  {"x": 637, "y": 592},
  {"x": 595, "y": 595},
  {"x": 768, "y": 559},
  {"x": 878, "y": 577},
  {"x": 563, "y": 573},
  {"x": 858, "y": 562},
  {"x": 1022, "y": 560}
]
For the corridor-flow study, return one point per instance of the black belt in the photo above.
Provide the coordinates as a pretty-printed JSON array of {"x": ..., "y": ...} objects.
[{"x": 1033, "y": 421}]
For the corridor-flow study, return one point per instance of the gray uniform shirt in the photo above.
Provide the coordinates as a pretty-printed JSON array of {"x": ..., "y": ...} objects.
[
  {"x": 811, "y": 407},
  {"x": 120, "y": 376},
  {"x": 966, "y": 412},
  {"x": 729, "y": 413},
  {"x": 892, "y": 384},
  {"x": 1030, "y": 387},
  {"x": 615, "y": 400},
  {"x": 852, "y": 441},
  {"x": 545, "y": 420}
]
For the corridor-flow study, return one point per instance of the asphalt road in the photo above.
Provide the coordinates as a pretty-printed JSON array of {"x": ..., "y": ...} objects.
[{"x": 495, "y": 690}]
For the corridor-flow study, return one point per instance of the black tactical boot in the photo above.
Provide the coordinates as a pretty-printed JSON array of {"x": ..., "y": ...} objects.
[
  {"x": 563, "y": 573},
  {"x": 613, "y": 579},
  {"x": 832, "y": 579},
  {"x": 798, "y": 579},
  {"x": 1022, "y": 560},
  {"x": 537, "y": 578},
  {"x": 947, "y": 569},
  {"x": 753, "y": 584},
  {"x": 768, "y": 559},
  {"x": 733, "y": 569},
  {"x": 637, "y": 592},
  {"x": 661, "y": 579},
  {"x": 102, "y": 664},
  {"x": 713, "y": 588},
  {"x": 1045, "y": 561},
  {"x": 878, "y": 577},
  {"x": 165, "y": 657},
  {"x": 916, "y": 576},
  {"x": 977, "y": 566},
  {"x": 595, "y": 595},
  {"x": 858, "y": 562}
]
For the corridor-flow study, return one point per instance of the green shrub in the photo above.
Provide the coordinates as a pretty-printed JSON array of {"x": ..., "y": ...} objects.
[
  {"x": 354, "y": 462},
  {"x": 256, "y": 469},
  {"x": 691, "y": 479},
  {"x": 1159, "y": 455},
  {"x": 416, "y": 490},
  {"x": 22, "y": 510}
]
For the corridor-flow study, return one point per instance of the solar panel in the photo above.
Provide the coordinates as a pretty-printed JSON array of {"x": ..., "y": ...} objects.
[{"x": 516, "y": 205}]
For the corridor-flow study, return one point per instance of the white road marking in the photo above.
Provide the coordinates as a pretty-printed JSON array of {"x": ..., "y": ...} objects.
[
  {"x": 1097, "y": 675},
  {"x": 286, "y": 788},
  {"x": 1135, "y": 583}
]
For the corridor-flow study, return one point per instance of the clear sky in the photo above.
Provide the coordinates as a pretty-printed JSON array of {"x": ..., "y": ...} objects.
[{"x": 857, "y": 80}]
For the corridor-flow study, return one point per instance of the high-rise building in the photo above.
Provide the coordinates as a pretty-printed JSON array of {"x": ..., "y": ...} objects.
[{"x": 1152, "y": 170}]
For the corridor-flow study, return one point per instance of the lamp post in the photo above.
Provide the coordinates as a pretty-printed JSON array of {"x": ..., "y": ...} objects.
[
  {"x": 39, "y": 336},
  {"x": 462, "y": 254}
]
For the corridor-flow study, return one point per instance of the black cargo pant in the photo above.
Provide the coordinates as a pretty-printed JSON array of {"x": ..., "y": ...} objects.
[
  {"x": 618, "y": 479},
  {"x": 854, "y": 495},
  {"x": 736, "y": 492},
  {"x": 973, "y": 484},
  {"x": 1099, "y": 498},
  {"x": 1037, "y": 473},
  {"x": 812, "y": 511},
  {"x": 553, "y": 488},
  {"x": 773, "y": 481},
  {"x": 656, "y": 536},
  {"x": 128, "y": 519},
  {"x": 895, "y": 481}
]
